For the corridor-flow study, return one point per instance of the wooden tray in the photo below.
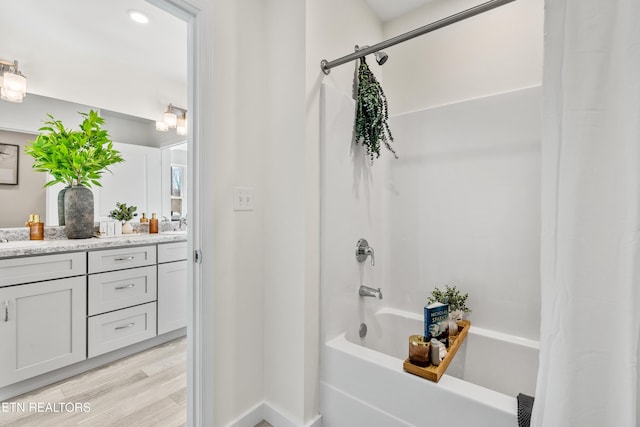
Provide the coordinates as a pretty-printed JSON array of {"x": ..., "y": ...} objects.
[{"x": 434, "y": 373}]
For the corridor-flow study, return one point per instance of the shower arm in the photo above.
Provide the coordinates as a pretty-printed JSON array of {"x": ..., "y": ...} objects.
[{"x": 326, "y": 66}]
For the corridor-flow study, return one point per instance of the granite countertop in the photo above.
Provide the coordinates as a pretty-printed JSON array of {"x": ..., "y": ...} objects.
[{"x": 17, "y": 248}]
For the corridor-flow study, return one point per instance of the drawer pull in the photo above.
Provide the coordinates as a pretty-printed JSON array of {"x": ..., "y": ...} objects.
[
  {"x": 6, "y": 311},
  {"x": 129, "y": 258},
  {"x": 130, "y": 285},
  {"x": 127, "y": 326}
]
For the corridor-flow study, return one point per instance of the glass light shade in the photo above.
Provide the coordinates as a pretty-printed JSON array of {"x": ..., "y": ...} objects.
[
  {"x": 181, "y": 126},
  {"x": 10, "y": 95},
  {"x": 170, "y": 119},
  {"x": 15, "y": 83},
  {"x": 162, "y": 126}
]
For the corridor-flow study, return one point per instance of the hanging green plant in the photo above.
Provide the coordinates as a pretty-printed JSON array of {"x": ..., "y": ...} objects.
[{"x": 371, "y": 126}]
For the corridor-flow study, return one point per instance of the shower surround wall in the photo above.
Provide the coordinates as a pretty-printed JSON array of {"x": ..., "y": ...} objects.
[
  {"x": 464, "y": 208},
  {"x": 461, "y": 206}
]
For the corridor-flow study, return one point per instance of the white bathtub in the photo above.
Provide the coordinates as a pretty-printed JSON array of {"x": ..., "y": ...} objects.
[{"x": 363, "y": 383}]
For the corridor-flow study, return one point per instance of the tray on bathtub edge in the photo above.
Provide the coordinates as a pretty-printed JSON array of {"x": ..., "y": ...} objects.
[{"x": 434, "y": 373}]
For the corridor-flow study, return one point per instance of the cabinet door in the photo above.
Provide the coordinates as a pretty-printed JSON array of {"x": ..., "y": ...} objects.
[
  {"x": 172, "y": 296},
  {"x": 42, "y": 327}
]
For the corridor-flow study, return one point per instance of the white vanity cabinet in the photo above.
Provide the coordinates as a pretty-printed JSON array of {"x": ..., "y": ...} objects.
[
  {"x": 122, "y": 294},
  {"x": 172, "y": 286},
  {"x": 42, "y": 322}
]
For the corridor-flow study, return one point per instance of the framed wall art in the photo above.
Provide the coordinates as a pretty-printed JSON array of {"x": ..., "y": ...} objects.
[{"x": 9, "y": 164}]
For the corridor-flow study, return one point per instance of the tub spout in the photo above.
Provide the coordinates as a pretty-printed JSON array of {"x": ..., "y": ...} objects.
[{"x": 366, "y": 291}]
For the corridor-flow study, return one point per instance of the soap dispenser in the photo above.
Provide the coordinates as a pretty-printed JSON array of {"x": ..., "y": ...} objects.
[{"x": 153, "y": 223}]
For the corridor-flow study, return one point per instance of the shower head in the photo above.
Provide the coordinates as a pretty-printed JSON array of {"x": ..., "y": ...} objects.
[{"x": 381, "y": 57}]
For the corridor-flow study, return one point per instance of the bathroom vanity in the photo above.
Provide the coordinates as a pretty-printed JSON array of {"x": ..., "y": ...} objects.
[{"x": 66, "y": 302}]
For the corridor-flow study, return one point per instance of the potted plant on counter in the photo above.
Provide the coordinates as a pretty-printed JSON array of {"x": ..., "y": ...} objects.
[
  {"x": 76, "y": 158},
  {"x": 124, "y": 214}
]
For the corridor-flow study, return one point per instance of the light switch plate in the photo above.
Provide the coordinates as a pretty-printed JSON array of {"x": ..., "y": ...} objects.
[{"x": 243, "y": 198}]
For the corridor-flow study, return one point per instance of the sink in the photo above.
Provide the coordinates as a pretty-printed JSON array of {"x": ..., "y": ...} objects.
[
  {"x": 21, "y": 243},
  {"x": 174, "y": 233}
]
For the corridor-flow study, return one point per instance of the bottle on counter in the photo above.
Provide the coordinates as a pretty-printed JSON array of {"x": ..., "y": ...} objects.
[
  {"x": 153, "y": 223},
  {"x": 144, "y": 218},
  {"x": 36, "y": 228}
]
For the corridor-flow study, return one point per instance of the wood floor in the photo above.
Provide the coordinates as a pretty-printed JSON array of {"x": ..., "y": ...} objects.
[{"x": 146, "y": 389}]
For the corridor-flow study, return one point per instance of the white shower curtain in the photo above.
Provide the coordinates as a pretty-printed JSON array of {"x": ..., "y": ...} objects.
[{"x": 588, "y": 373}]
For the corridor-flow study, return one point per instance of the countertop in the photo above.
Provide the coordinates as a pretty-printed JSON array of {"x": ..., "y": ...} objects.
[{"x": 19, "y": 248}]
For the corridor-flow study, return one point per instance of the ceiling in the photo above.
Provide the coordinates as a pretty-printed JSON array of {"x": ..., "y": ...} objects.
[
  {"x": 92, "y": 37},
  {"x": 390, "y": 9},
  {"x": 97, "y": 38}
]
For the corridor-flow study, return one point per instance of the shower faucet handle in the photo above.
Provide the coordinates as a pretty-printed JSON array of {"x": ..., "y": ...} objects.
[{"x": 363, "y": 250}]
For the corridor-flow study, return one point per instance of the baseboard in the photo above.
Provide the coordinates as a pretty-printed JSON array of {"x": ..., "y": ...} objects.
[{"x": 265, "y": 411}]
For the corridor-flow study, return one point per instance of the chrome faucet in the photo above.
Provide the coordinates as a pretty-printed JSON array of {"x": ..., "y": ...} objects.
[
  {"x": 183, "y": 222},
  {"x": 363, "y": 250},
  {"x": 366, "y": 291}
]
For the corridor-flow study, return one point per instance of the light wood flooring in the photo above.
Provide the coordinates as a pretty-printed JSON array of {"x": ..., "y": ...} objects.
[{"x": 145, "y": 389}]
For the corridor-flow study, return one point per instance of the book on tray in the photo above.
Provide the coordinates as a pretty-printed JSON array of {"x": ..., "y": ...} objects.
[{"x": 436, "y": 322}]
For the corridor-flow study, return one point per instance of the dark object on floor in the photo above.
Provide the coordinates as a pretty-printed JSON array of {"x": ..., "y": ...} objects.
[{"x": 525, "y": 405}]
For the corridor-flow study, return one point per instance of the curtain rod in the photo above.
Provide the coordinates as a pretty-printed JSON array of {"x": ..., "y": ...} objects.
[{"x": 326, "y": 66}]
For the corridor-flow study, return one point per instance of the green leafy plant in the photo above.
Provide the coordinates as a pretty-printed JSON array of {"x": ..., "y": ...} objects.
[
  {"x": 74, "y": 157},
  {"x": 371, "y": 126},
  {"x": 122, "y": 212},
  {"x": 452, "y": 296}
]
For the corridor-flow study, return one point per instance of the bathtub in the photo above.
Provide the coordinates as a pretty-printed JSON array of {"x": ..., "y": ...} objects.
[{"x": 363, "y": 383}]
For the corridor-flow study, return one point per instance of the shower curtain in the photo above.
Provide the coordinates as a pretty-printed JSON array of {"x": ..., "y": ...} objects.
[{"x": 590, "y": 260}]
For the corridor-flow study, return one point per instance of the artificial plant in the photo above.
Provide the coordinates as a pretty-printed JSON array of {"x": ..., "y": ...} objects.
[
  {"x": 371, "y": 126},
  {"x": 122, "y": 212},
  {"x": 452, "y": 296},
  {"x": 74, "y": 157}
]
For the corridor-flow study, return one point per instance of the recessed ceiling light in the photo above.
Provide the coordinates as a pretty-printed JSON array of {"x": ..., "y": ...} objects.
[{"x": 138, "y": 16}]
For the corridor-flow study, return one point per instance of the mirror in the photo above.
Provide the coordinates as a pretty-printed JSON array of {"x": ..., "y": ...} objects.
[
  {"x": 152, "y": 159},
  {"x": 127, "y": 71}
]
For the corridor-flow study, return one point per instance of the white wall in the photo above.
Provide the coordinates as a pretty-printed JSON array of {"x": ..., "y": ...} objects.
[
  {"x": 284, "y": 210},
  {"x": 230, "y": 154},
  {"x": 494, "y": 52},
  {"x": 353, "y": 206},
  {"x": 464, "y": 209},
  {"x": 468, "y": 182}
]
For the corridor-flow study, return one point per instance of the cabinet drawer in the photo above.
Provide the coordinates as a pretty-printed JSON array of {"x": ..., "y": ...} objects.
[
  {"x": 42, "y": 267},
  {"x": 111, "y": 331},
  {"x": 118, "y": 259},
  {"x": 120, "y": 289},
  {"x": 168, "y": 252}
]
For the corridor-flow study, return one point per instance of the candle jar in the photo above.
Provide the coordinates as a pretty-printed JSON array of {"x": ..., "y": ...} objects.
[{"x": 419, "y": 350}]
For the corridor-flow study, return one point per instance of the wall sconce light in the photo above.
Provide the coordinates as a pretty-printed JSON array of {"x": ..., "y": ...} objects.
[
  {"x": 173, "y": 118},
  {"x": 13, "y": 85}
]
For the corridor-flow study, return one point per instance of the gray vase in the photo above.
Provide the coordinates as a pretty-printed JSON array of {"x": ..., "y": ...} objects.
[
  {"x": 78, "y": 212},
  {"x": 61, "y": 206}
]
